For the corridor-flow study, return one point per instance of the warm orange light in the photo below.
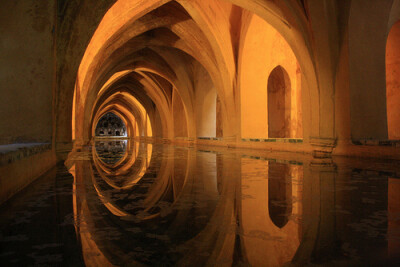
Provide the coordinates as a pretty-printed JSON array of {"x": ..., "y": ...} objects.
[
  {"x": 262, "y": 51},
  {"x": 393, "y": 81}
]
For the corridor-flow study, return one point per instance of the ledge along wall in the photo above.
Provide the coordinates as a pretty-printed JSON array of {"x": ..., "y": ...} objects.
[{"x": 26, "y": 87}]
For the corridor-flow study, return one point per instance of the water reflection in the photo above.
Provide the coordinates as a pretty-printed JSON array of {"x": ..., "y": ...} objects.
[
  {"x": 151, "y": 197},
  {"x": 110, "y": 152},
  {"x": 270, "y": 208},
  {"x": 182, "y": 206},
  {"x": 154, "y": 204},
  {"x": 162, "y": 205}
]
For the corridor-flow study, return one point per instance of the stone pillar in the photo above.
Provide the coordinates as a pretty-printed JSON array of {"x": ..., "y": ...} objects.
[{"x": 318, "y": 219}]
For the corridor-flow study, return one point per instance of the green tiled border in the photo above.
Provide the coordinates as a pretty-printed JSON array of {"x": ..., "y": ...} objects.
[
  {"x": 274, "y": 140},
  {"x": 291, "y": 162},
  {"x": 369, "y": 142}
]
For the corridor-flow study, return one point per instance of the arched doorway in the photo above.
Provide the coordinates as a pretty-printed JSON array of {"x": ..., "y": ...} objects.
[{"x": 279, "y": 103}]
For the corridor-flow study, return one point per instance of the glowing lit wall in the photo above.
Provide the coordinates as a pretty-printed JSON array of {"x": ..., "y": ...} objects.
[
  {"x": 179, "y": 113},
  {"x": 205, "y": 104},
  {"x": 263, "y": 49},
  {"x": 393, "y": 81}
]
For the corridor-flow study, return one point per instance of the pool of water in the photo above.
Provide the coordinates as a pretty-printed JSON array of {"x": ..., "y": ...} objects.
[{"x": 125, "y": 203}]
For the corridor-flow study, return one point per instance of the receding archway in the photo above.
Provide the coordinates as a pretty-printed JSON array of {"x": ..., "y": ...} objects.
[
  {"x": 279, "y": 103},
  {"x": 393, "y": 82},
  {"x": 110, "y": 125}
]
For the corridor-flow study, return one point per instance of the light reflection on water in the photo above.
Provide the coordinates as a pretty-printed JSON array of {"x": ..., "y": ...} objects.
[
  {"x": 111, "y": 151},
  {"x": 154, "y": 204}
]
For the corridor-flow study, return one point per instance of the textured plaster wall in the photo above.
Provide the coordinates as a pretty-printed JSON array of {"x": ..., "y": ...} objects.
[
  {"x": 205, "y": 104},
  {"x": 26, "y": 70},
  {"x": 342, "y": 96},
  {"x": 393, "y": 81},
  {"x": 264, "y": 49},
  {"x": 180, "y": 123},
  {"x": 367, "y": 68}
]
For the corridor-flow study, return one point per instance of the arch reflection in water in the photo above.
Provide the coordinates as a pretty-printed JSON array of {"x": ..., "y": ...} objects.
[
  {"x": 157, "y": 196},
  {"x": 125, "y": 170},
  {"x": 271, "y": 209},
  {"x": 159, "y": 204},
  {"x": 279, "y": 193},
  {"x": 111, "y": 151},
  {"x": 197, "y": 207},
  {"x": 279, "y": 103}
]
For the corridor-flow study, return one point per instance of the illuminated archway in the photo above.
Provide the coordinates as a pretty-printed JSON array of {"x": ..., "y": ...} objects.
[
  {"x": 110, "y": 125},
  {"x": 393, "y": 81},
  {"x": 160, "y": 57},
  {"x": 267, "y": 60}
]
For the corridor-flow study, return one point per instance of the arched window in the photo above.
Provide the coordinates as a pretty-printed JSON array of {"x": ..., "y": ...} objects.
[
  {"x": 393, "y": 82},
  {"x": 110, "y": 125},
  {"x": 279, "y": 104}
]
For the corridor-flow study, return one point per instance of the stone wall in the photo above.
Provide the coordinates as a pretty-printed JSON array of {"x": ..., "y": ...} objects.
[{"x": 26, "y": 70}]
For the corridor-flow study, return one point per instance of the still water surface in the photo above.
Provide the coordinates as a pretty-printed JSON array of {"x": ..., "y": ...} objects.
[{"x": 124, "y": 203}]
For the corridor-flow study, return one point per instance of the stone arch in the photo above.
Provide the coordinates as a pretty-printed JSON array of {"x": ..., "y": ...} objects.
[
  {"x": 135, "y": 113},
  {"x": 132, "y": 84},
  {"x": 87, "y": 82},
  {"x": 221, "y": 55},
  {"x": 291, "y": 26},
  {"x": 110, "y": 121},
  {"x": 127, "y": 116}
]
